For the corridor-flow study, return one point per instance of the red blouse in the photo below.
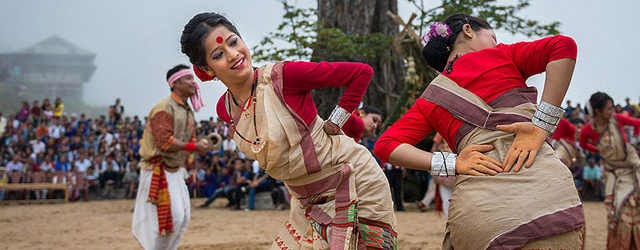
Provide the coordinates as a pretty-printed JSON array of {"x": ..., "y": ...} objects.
[
  {"x": 299, "y": 78},
  {"x": 488, "y": 73},
  {"x": 588, "y": 136},
  {"x": 566, "y": 131}
]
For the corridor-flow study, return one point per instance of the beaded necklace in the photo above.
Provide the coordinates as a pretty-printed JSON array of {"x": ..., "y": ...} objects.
[
  {"x": 256, "y": 144},
  {"x": 450, "y": 64}
]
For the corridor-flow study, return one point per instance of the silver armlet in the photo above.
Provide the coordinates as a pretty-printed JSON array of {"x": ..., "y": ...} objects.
[{"x": 339, "y": 116}]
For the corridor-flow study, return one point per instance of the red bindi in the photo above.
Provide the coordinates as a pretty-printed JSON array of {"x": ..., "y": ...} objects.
[{"x": 219, "y": 39}]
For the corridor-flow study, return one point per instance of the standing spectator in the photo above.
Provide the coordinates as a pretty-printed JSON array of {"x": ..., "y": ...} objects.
[
  {"x": 15, "y": 164},
  {"x": 395, "y": 174},
  {"x": 58, "y": 108},
  {"x": 568, "y": 109},
  {"x": 24, "y": 112},
  {"x": 628, "y": 107},
  {"x": 36, "y": 111},
  {"x": 118, "y": 110}
]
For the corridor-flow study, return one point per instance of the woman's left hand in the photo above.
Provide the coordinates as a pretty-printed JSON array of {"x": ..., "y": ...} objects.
[
  {"x": 331, "y": 128},
  {"x": 525, "y": 146}
]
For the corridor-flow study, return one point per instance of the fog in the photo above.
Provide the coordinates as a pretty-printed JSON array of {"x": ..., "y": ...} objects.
[{"x": 136, "y": 42}]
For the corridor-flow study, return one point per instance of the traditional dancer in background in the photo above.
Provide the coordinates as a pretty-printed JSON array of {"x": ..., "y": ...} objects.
[
  {"x": 162, "y": 209},
  {"x": 565, "y": 141},
  {"x": 341, "y": 198},
  {"x": 481, "y": 98},
  {"x": 605, "y": 134}
]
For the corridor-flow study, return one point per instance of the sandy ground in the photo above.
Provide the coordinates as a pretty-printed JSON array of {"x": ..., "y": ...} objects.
[{"x": 107, "y": 225}]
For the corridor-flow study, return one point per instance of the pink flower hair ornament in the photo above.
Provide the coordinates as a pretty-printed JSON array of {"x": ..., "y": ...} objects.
[{"x": 437, "y": 29}]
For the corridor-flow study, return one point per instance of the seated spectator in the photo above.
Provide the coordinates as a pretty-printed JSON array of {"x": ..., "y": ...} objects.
[
  {"x": 226, "y": 186},
  {"x": 3, "y": 181},
  {"x": 62, "y": 164},
  {"x": 47, "y": 165},
  {"x": 258, "y": 184},
  {"x": 109, "y": 180},
  {"x": 131, "y": 179},
  {"x": 92, "y": 179},
  {"x": 39, "y": 177},
  {"x": 210, "y": 182},
  {"x": 592, "y": 177},
  {"x": 82, "y": 163},
  {"x": 279, "y": 193},
  {"x": 15, "y": 164},
  {"x": 243, "y": 178},
  {"x": 58, "y": 177},
  {"x": 576, "y": 171}
]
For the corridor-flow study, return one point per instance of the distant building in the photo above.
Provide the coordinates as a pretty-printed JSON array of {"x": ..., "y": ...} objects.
[{"x": 52, "y": 68}]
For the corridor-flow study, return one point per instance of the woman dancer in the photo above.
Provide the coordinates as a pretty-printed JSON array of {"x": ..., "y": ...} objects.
[
  {"x": 341, "y": 198},
  {"x": 605, "y": 134},
  {"x": 481, "y": 98}
]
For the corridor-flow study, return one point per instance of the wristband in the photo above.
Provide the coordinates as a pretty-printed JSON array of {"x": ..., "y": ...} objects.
[{"x": 190, "y": 146}]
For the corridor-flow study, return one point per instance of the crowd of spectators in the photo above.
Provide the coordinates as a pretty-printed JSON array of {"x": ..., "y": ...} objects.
[{"x": 98, "y": 156}]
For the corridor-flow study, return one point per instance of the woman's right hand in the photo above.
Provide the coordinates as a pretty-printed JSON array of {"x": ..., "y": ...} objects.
[{"x": 472, "y": 161}]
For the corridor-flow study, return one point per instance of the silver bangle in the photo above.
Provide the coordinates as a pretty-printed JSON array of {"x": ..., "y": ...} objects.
[
  {"x": 339, "y": 116},
  {"x": 551, "y": 110},
  {"x": 443, "y": 164},
  {"x": 544, "y": 125},
  {"x": 546, "y": 118}
]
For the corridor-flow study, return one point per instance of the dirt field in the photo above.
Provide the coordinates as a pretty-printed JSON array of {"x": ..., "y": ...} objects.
[{"x": 107, "y": 225}]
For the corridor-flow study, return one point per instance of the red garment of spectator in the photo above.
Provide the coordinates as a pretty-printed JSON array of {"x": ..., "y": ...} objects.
[
  {"x": 299, "y": 78},
  {"x": 588, "y": 136},
  {"x": 488, "y": 73},
  {"x": 565, "y": 130}
]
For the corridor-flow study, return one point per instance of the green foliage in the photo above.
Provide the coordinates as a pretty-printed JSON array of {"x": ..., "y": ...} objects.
[
  {"x": 499, "y": 16},
  {"x": 299, "y": 31}
]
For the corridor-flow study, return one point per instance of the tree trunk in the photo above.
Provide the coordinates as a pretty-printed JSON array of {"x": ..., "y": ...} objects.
[{"x": 362, "y": 17}]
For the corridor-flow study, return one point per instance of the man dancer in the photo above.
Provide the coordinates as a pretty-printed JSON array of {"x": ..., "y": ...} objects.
[{"x": 162, "y": 208}]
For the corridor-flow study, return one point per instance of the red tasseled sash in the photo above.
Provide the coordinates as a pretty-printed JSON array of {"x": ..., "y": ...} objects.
[{"x": 159, "y": 196}]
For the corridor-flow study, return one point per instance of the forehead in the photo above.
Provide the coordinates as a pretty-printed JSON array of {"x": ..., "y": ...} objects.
[
  {"x": 373, "y": 115},
  {"x": 217, "y": 31}
]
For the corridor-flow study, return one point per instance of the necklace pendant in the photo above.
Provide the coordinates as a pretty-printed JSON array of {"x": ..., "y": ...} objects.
[
  {"x": 246, "y": 114},
  {"x": 257, "y": 145}
]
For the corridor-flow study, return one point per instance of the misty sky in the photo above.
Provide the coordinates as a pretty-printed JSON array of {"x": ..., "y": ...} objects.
[{"x": 136, "y": 42}]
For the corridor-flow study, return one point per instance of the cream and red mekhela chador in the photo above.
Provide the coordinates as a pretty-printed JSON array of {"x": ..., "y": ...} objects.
[
  {"x": 565, "y": 145},
  {"x": 535, "y": 208},
  {"x": 340, "y": 196},
  {"x": 162, "y": 210},
  {"x": 621, "y": 168}
]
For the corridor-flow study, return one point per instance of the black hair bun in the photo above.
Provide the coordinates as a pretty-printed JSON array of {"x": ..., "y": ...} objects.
[{"x": 436, "y": 53}]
